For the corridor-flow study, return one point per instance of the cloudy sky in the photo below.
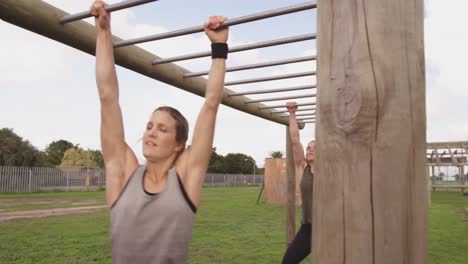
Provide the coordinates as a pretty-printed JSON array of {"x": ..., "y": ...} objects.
[{"x": 48, "y": 90}]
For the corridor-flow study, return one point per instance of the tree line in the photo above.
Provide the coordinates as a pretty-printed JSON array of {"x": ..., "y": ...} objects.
[{"x": 15, "y": 151}]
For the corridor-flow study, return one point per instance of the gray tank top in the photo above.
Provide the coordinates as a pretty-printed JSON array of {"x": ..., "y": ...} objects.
[
  {"x": 306, "y": 186},
  {"x": 151, "y": 228}
]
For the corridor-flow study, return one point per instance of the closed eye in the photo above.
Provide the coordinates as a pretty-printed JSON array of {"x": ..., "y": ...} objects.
[{"x": 149, "y": 126}]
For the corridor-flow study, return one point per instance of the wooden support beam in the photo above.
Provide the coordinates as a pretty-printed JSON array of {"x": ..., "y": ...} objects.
[{"x": 370, "y": 193}]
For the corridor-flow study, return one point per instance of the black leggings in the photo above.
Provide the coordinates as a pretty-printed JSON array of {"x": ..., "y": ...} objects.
[{"x": 299, "y": 248}]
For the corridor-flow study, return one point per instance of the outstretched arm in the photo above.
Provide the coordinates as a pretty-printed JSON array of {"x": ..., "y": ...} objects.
[
  {"x": 298, "y": 151},
  {"x": 194, "y": 161},
  {"x": 119, "y": 159}
]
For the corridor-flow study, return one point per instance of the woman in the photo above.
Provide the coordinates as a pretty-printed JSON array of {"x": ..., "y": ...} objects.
[
  {"x": 300, "y": 246},
  {"x": 153, "y": 206}
]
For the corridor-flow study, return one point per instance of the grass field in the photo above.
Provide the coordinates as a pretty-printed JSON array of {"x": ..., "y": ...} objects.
[{"x": 229, "y": 228}]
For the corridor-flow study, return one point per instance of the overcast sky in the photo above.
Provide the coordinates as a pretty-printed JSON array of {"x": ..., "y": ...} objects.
[{"x": 48, "y": 90}]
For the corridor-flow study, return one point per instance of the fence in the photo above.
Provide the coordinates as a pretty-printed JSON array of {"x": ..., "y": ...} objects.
[{"x": 30, "y": 179}]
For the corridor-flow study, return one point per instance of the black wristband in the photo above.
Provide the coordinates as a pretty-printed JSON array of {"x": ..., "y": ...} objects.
[{"x": 219, "y": 50}]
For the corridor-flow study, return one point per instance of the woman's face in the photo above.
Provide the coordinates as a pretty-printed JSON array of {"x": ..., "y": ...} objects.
[
  {"x": 159, "y": 140},
  {"x": 310, "y": 152}
]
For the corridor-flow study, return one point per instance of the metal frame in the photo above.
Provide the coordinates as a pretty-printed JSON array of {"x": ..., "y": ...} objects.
[
  {"x": 230, "y": 22},
  {"x": 42, "y": 18},
  {"x": 303, "y": 114},
  {"x": 298, "y": 110},
  {"x": 279, "y": 98},
  {"x": 305, "y": 119},
  {"x": 256, "y": 65},
  {"x": 272, "y": 78},
  {"x": 287, "y": 89},
  {"x": 283, "y": 105},
  {"x": 258, "y": 45}
]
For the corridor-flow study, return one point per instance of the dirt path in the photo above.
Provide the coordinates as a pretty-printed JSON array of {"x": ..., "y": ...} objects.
[{"x": 6, "y": 216}]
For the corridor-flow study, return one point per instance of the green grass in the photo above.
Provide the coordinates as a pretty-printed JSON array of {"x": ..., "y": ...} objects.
[
  {"x": 17, "y": 202},
  {"x": 448, "y": 228},
  {"x": 230, "y": 228}
]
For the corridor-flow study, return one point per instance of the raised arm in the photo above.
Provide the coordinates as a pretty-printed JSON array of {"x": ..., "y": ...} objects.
[
  {"x": 195, "y": 160},
  {"x": 119, "y": 159},
  {"x": 298, "y": 150}
]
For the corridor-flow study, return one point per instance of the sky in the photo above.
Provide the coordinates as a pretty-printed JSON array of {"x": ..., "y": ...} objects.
[{"x": 48, "y": 91}]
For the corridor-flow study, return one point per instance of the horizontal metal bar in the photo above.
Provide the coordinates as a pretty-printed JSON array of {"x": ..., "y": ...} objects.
[
  {"x": 287, "y": 89},
  {"x": 302, "y": 114},
  {"x": 283, "y": 105},
  {"x": 239, "y": 48},
  {"x": 305, "y": 119},
  {"x": 272, "y": 78},
  {"x": 279, "y": 98},
  {"x": 298, "y": 110},
  {"x": 308, "y": 122},
  {"x": 108, "y": 8},
  {"x": 256, "y": 65},
  {"x": 230, "y": 22}
]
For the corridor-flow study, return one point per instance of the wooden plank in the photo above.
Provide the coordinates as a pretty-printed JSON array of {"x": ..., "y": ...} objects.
[
  {"x": 370, "y": 193},
  {"x": 275, "y": 181}
]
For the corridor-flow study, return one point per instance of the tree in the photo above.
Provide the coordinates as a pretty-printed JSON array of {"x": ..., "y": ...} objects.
[
  {"x": 14, "y": 151},
  {"x": 216, "y": 164},
  {"x": 238, "y": 163},
  {"x": 97, "y": 157},
  {"x": 276, "y": 154},
  {"x": 55, "y": 151},
  {"x": 80, "y": 157}
]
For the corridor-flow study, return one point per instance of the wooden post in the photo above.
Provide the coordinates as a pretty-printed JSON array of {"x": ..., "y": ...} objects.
[
  {"x": 290, "y": 191},
  {"x": 370, "y": 192}
]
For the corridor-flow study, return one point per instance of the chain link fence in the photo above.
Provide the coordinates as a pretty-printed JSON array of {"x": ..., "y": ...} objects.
[{"x": 33, "y": 179}]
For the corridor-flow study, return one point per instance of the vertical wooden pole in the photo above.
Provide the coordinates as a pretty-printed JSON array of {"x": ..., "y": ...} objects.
[
  {"x": 370, "y": 192},
  {"x": 290, "y": 191}
]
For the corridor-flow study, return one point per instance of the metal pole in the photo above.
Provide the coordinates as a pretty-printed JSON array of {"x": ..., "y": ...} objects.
[
  {"x": 280, "y": 98},
  {"x": 306, "y": 119},
  {"x": 239, "y": 48},
  {"x": 109, "y": 8},
  {"x": 283, "y": 105},
  {"x": 272, "y": 78},
  {"x": 298, "y": 110},
  {"x": 254, "y": 168},
  {"x": 303, "y": 114},
  {"x": 287, "y": 89},
  {"x": 29, "y": 183},
  {"x": 230, "y": 22},
  {"x": 255, "y": 65}
]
